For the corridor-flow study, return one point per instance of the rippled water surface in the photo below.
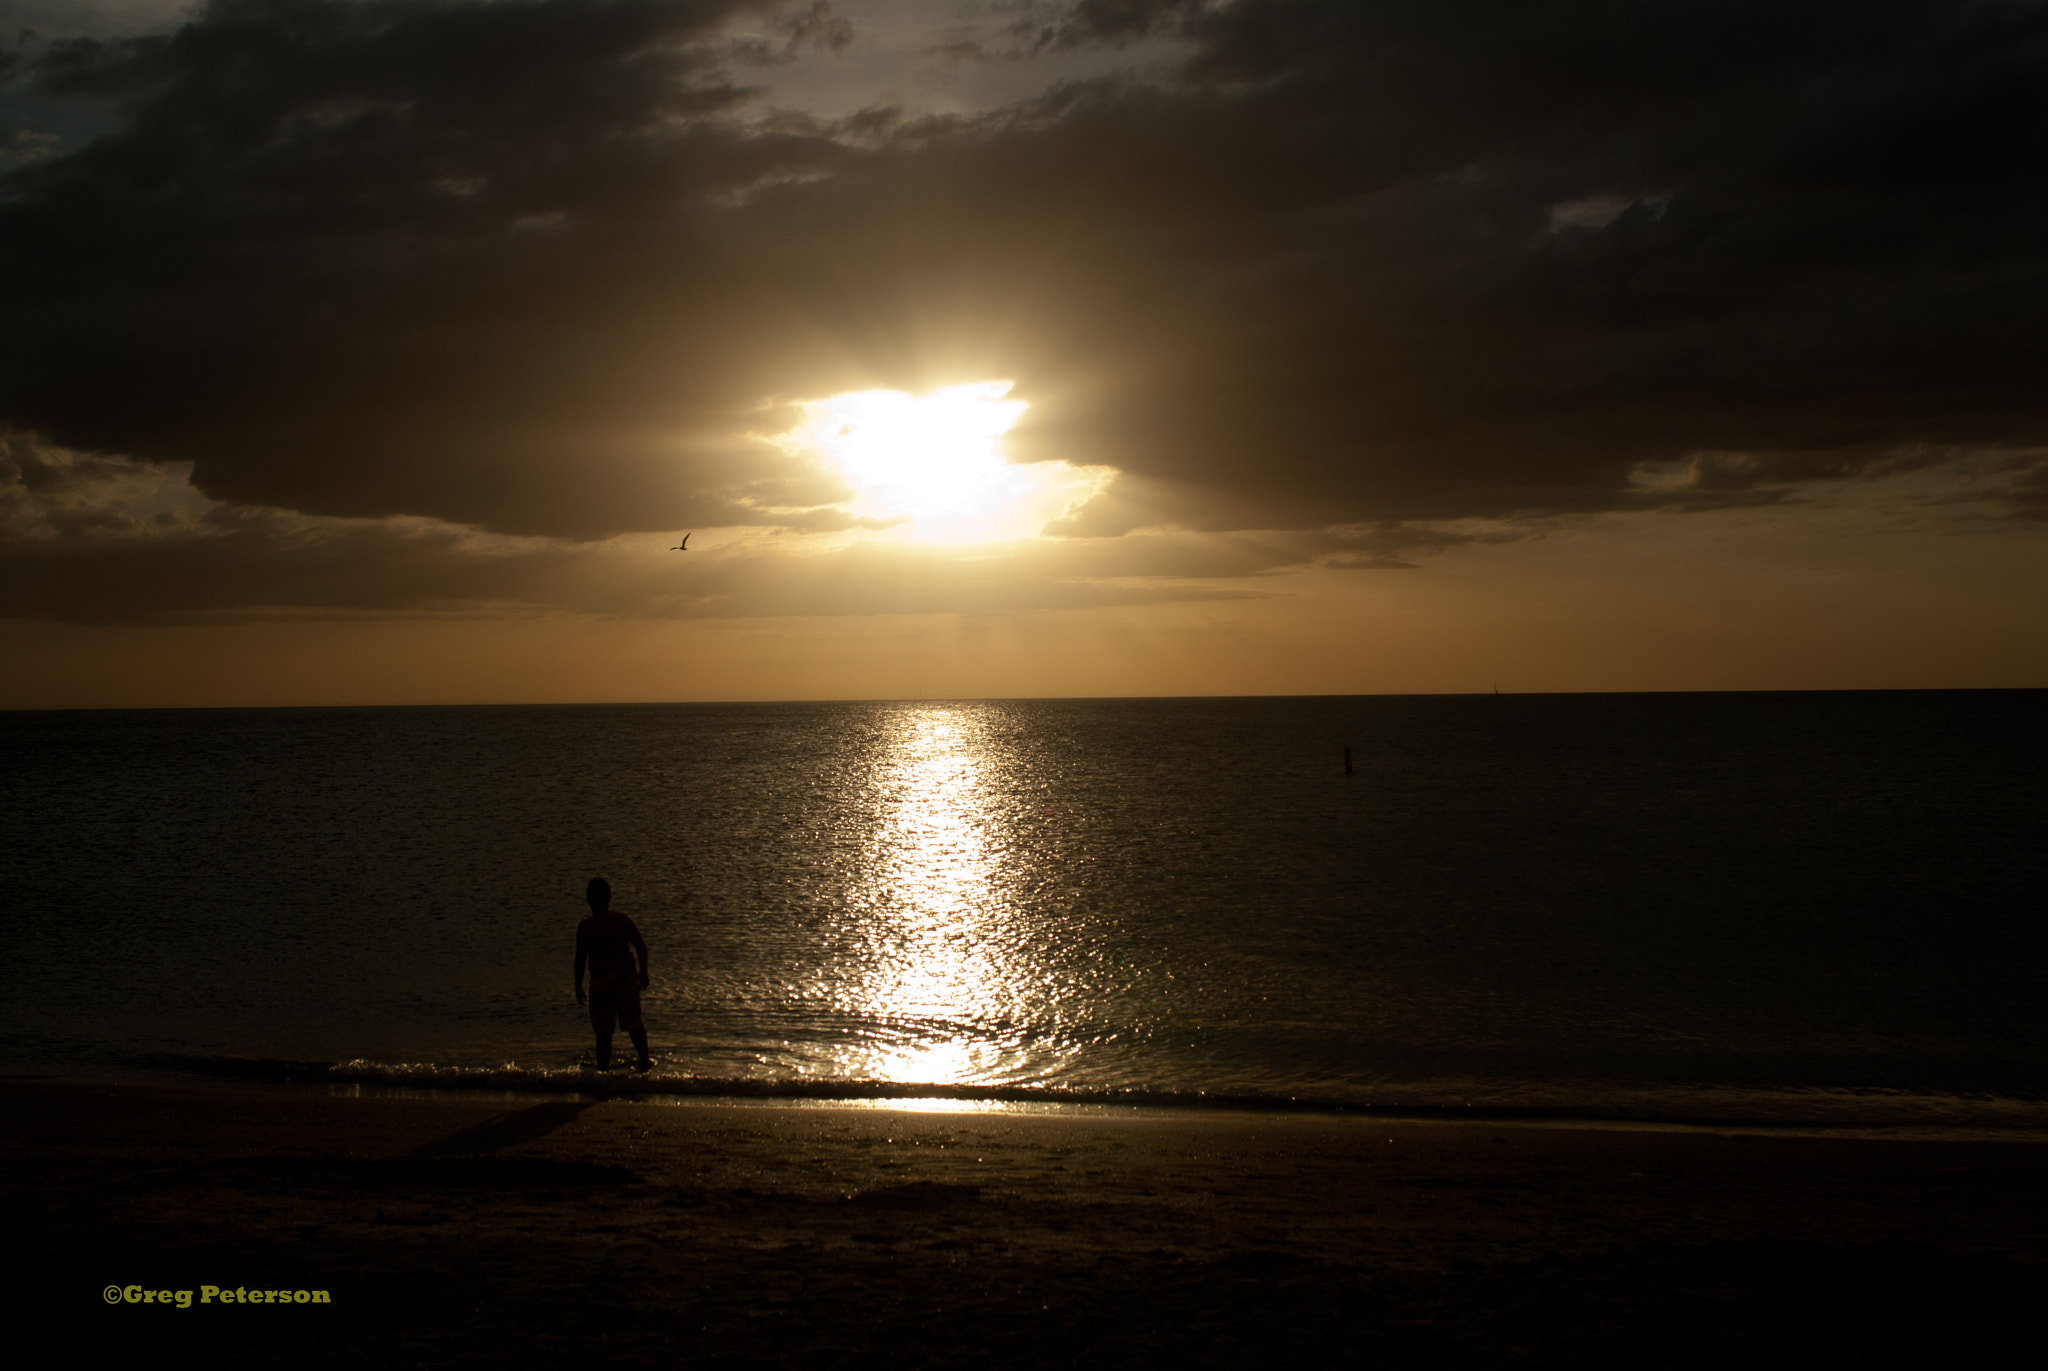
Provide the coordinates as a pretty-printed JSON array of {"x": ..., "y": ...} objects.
[{"x": 1815, "y": 905}]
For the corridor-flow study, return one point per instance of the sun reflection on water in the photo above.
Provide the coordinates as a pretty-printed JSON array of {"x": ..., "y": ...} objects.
[{"x": 941, "y": 966}]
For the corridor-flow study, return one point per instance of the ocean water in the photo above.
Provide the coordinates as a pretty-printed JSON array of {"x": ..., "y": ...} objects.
[{"x": 1813, "y": 908}]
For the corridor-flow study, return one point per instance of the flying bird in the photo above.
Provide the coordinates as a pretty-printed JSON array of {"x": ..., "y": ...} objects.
[{"x": 683, "y": 546}]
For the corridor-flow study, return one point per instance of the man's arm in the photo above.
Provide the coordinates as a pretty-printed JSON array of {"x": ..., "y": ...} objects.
[
  {"x": 582, "y": 956},
  {"x": 639, "y": 947}
]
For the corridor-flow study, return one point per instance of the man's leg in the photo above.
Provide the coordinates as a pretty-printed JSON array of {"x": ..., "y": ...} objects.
[
  {"x": 603, "y": 1025},
  {"x": 636, "y": 1028}
]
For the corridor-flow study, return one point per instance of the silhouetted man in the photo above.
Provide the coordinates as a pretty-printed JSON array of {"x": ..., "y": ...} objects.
[{"x": 608, "y": 941}]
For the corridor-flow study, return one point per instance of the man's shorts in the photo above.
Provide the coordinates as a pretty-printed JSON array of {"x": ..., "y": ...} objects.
[{"x": 616, "y": 1005}]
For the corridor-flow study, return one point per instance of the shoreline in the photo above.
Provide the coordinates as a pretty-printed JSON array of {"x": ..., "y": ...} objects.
[
  {"x": 468, "y": 1228},
  {"x": 1898, "y": 1115}
]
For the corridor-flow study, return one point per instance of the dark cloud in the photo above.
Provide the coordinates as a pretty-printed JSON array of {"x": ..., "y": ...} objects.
[
  {"x": 110, "y": 540},
  {"x": 817, "y": 26},
  {"x": 453, "y": 259},
  {"x": 1487, "y": 258},
  {"x": 964, "y": 50},
  {"x": 1050, "y": 25},
  {"x": 266, "y": 564},
  {"x": 549, "y": 267},
  {"x": 2029, "y": 492}
]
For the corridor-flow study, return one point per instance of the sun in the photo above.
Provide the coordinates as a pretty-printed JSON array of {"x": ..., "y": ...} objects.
[
  {"x": 933, "y": 465},
  {"x": 927, "y": 455}
]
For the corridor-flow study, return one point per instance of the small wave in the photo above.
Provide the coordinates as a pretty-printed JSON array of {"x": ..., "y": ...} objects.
[
  {"x": 516, "y": 1077},
  {"x": 586, "y": 1080},
  {"x": 1568, "y": 1103}
]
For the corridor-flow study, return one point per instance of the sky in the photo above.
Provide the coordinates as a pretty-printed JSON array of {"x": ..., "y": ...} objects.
[{"x": 382, "y": 351}]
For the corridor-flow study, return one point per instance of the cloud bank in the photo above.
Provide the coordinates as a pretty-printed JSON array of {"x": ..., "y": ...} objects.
[{"x": 1349, "y": 281}]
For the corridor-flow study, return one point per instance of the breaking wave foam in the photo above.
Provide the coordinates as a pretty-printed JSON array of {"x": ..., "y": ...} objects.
[{"x": 1879, "y": 1112}]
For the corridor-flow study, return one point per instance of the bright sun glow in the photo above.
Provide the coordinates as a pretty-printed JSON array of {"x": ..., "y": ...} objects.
[{"x": 934, "y": 464}]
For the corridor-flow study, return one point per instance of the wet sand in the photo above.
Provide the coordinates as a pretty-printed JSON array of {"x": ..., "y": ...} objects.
[{"x": 458, "y": 1232}]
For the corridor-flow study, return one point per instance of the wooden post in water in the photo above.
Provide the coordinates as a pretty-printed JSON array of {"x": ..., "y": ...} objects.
[{"x": 1347, "y": 761}]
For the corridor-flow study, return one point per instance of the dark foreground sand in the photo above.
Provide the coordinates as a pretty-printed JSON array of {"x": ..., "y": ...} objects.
[{"x": 457, "y": 1232}]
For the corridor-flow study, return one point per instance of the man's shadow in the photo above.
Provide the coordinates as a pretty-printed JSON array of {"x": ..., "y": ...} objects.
[{"x": 507, "y": 1130}]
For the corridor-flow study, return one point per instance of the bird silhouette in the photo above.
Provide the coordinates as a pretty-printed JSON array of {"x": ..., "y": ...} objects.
[{"x": 683, "y": 546}]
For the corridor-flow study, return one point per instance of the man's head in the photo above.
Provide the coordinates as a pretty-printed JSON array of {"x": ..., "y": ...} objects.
[{"x": 599, "y": 893}]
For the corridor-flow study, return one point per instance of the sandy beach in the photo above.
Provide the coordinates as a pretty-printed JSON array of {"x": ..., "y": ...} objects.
[{"x": 453, "y": 1231}]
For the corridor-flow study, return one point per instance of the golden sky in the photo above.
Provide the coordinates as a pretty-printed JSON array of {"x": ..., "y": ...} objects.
[{"x": 381, "y": 351}]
